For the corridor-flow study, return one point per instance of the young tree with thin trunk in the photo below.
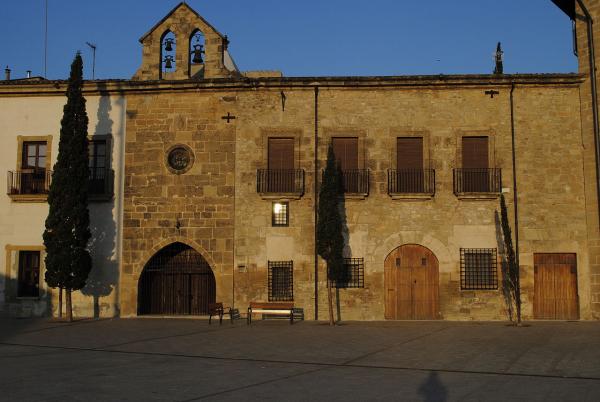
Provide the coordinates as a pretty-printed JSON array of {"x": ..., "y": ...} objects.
[
  {"x": 67, "y": 233},
  {"x": 511, "y": 273},
  {"x": 330, "y": 240}
]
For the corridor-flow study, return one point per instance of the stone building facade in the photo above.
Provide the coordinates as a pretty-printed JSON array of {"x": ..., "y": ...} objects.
[{"x": 219, "y": 191}]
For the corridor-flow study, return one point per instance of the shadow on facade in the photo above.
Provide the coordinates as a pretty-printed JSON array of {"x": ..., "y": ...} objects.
[
  {"x": 433, "y": 390},
  {"x": 347, "y": 249},
  {"x": 503, "y": 267},
  {"x": 104, "y": 275}
]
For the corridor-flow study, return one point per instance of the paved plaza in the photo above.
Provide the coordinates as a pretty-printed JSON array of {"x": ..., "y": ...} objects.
[{"x": 188, "y": 360}]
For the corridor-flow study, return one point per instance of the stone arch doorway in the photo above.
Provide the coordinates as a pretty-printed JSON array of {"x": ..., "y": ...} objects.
[
  {"x": 411, "y": 284},
  {"x": 177, "y": 280}
]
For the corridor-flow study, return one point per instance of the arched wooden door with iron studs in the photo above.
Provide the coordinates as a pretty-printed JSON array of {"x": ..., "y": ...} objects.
[
  {"x": 176, "y": 281},
  {"x": 411, "y": 284}
]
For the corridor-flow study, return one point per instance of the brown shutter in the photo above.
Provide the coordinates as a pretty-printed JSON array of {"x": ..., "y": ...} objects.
[
  {"x": 475, "y": 152},
  {"x": 281, "y": 154},
  {"x": 346, "y": 152},
  {"x": 410, "y": 153}
]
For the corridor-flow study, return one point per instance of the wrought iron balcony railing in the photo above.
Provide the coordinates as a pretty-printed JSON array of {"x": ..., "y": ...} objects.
[
  {"x": 28, "y": 182},
  {"x": 483, "y": 180},
  {"x": 280, "y": 181},
  {"x": 356, "y": 181},
  {"x": 411, "y": 181}
]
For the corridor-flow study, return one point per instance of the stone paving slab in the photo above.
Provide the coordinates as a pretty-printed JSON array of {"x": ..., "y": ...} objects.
[{"x": 153, "y": 359}]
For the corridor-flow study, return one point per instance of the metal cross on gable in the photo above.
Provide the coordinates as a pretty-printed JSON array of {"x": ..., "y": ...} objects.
[
  {"x": 229, "y": 117},
  {"x": 491, "y": 93}
]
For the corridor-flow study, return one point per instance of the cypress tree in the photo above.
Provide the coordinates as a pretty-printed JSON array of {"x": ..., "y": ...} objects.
[
  {"x": 512, "y": 278},
  {"x": 330, "y": 240},
  {"x": 67, "y": 233}
]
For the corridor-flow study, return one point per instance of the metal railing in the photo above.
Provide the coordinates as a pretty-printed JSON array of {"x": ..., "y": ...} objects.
[
  {"x": 411, "y": 181},
  {"x": 355, "y": 181},
  {"x": 101, "y": 182},
  {"x": 482, "y": 180},
  {"x": 280, "y": 181},
  {"x": 25, "y": 182}
]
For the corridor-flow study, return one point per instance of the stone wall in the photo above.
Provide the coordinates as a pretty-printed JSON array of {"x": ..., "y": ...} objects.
[
  {"x": 549, "y": 166},
  {"x": 588, "y": 142},
  {"x": 201, "y": 199}
]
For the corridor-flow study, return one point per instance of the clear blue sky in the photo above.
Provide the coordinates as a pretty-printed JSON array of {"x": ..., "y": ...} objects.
[{"x": 301, "y": 38}]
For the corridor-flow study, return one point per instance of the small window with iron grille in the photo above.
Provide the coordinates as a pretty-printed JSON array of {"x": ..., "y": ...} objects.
[
  {"x": 280, "y": 216},
  {"x": 354, "y": 274},
  {"x": 478, "y": 269},
  {"x": 281, "y": 280}
]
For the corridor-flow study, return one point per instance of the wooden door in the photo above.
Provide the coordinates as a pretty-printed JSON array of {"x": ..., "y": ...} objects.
[
  {"x": 411, "y": 284},
  {"x": 555, "y": 287},
  {"x": 176, "y": 281}
]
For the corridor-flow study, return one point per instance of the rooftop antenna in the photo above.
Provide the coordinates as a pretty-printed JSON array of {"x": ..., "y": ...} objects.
[
  {"x": 46, "y": 43},
  {"x": 93, "y": 47}
]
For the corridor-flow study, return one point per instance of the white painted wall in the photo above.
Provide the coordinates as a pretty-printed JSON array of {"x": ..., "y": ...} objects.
[{"x": 22, "y": 224}]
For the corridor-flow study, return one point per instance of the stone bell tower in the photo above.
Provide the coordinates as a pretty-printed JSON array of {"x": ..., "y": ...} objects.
[{"x": 183, "y": 46}]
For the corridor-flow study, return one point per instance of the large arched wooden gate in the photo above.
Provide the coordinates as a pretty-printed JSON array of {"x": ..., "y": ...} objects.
[
  {"x": 411, "y": 284},
  {"x": 176, "y": 281}
]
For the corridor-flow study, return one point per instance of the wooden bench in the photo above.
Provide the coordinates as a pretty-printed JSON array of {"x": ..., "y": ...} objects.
[
  {"x": 217, "y": 310},
  {"x": 271, "y": 308}
]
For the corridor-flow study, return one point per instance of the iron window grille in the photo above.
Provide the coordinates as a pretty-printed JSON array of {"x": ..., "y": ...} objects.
[
  {"x": 354, "y": 274},
  {"x": 281, "y": 280},
  {"x": 478, "y": 269},
  {"x": 280, "y": 215}
]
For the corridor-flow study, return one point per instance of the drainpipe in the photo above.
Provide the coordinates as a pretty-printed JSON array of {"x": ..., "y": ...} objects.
[
  {"x": 316, "y": 196},
  {"x": 591, "y": 51},
  {"x": 514, "y": 167}
]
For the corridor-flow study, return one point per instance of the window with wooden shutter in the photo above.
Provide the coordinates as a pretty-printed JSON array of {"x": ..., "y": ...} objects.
[
  {"x": 346, "y": 152},
  {"x": 281, "y": 154},
  {"x": 475, "y": 171},
  {"x": 410, "y": 177},
  {"x": 409, "y": 153},
  {"x": 475, "y": 152}
]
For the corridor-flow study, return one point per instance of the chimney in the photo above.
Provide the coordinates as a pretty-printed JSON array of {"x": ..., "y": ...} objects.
[
  {"x": 7, "y": 73},
  {"x": 28, "y": 73}
]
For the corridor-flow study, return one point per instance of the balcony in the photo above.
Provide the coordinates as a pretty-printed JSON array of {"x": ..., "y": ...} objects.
[
  {"x": 29, "y": 185},
  {"x": 478, "y": 183},
  {"x": 101, "y": 184},
  {"x": 280, "y": 183},
  {"x": 411, "y": 183},
  {"x": 356, "y": 182}
]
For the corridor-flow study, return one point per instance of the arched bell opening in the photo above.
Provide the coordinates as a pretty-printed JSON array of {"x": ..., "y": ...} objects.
[
  {"x": 168, "y": 50},
  {"x": 196, "y": 59},
  {"x": 177, "y": 280}
]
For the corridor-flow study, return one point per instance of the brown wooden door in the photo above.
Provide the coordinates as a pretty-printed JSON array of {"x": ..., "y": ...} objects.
[
  {"x": 176, "y": 281},
  {"x": 555, "y": 287},
  {"x": 411, "y": 284}
]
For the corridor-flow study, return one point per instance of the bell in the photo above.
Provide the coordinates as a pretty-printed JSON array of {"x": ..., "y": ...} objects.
[
  {"x": 168, "y": 62},
  {"x": 169, "y": 45},
  {"x": 197, "y": 54}
]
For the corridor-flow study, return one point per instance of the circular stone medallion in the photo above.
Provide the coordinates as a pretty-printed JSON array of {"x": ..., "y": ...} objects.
[{"x": 179, "y": 159}]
